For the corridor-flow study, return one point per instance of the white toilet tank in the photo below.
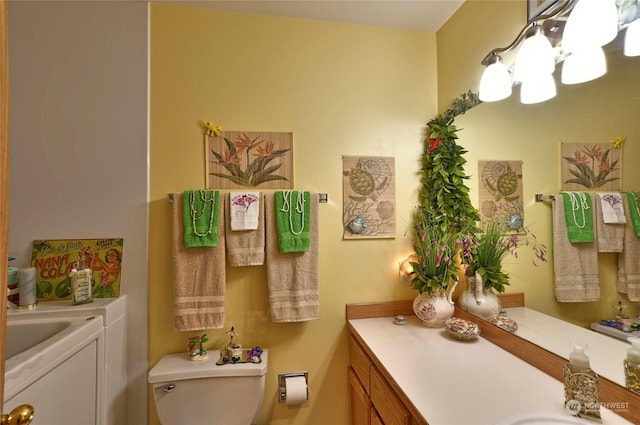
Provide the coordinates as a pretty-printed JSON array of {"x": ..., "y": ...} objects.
[{"x": 190, "y": 392}]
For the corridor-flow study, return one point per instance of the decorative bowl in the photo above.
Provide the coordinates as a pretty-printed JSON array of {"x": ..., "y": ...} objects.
[{"x": 462, "y": 329}]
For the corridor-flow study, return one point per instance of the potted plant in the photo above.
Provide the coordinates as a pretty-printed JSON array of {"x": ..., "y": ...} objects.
[
  {"x": 444, "y": 216},
  {"x": 482, "y": 257},
  {"x": 434, "y": 268}
]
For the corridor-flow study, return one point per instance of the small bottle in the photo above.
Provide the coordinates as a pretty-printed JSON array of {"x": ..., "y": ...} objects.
[
  {"x": 81, "y": 282},
  {"x": 581, "y": 392},
  {"x": 632, "y": 365}
]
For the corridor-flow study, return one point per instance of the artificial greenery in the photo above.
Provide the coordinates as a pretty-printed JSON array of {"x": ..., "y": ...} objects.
[
  {"x": 484, "y": 253},
  {"x": 447, "y": 237},
  {"x": 435, "y": 252},
  {"x": 445, "y": 213}
]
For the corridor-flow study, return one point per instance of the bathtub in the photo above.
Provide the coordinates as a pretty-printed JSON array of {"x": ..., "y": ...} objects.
[
  {"x": 52, "y": 364},
  {"x": 69, "y": 362}
]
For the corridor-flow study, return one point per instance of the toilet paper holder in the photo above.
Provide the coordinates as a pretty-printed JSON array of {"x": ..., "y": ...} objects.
[{"x": 282, "y": 384}]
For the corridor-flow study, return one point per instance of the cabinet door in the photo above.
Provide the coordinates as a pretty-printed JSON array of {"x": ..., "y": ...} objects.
[
  {"x": 359, "y": 401},
  {"x": 386, "y": 402},
  {"x": 375, "y": 419},
  {"x": 360, "y": 363}
]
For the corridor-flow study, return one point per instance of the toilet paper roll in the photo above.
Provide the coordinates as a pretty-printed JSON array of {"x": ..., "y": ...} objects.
[
  {"x": 296, "y": 389},
  {"x": 27, "y": 294}
]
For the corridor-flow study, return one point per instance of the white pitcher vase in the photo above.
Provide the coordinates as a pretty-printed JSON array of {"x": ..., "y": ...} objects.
[
  {"x": 478, "y": 300},
  {"x": 436, "y": 308}
]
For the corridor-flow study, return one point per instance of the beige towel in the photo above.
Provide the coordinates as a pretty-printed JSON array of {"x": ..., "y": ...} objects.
[
  {"x": 610, "y": 235},
  {"x": 246, "y": 247},
  {"x": 198, "y": 278},
  {"x": 575, "y": 265},
  {"x": 292, "y": 277},
  {"x": 629, "y": 261}
]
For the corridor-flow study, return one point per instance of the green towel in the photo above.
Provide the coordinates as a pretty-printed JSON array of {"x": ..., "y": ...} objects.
[
  {"x": 579, "y": 221},
  {"x": 293, "y": 212},
  {"x": 201, "y": 208},
  {"x": 634, "y": 210}
]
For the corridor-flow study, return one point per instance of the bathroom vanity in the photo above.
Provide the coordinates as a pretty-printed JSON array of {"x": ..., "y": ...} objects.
[{"x": 411, "y": 374}]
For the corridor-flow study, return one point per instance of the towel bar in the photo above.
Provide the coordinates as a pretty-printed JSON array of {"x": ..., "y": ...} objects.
[
  {"x": 540, "y": 197},
  {"x": 324, "y": 197}
]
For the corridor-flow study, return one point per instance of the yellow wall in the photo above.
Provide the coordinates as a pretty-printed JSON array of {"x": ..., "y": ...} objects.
[
  {"x": 593, "y": 112},
  {"x": 477, "y": 27},
  {"x": 342, "y": 90}
]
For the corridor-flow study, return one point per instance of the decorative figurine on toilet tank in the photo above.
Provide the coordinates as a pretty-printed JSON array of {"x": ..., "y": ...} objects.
[
  {"x": 232, "y": 353},
  {"x": 196, "y": 347}
]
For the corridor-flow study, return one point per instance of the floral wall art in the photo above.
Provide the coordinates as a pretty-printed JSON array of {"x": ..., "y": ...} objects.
[
  {"x": 589, "y": 166},
  {"x": 369, "y": 192},
  {"x": 246, "y": 159},
  {"x": 500, "y": 192}
]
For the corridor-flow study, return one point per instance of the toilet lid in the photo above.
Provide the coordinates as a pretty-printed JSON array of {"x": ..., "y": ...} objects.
[{"x": 176, "y": 367}]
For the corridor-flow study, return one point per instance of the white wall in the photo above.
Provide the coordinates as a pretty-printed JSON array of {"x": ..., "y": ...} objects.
[{"x": 78, "y": 142}]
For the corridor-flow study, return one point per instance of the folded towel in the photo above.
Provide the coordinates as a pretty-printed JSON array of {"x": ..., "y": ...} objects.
[
  {"x": 293, "y": 216},
  {"x": 292, "y": 277},
  {"x": 610, "y": 235},
  {"x": 198, "y": 278},
  {"x": 628, "y": 264},
  {"x": 578, "y": 216},
  {"x": 575, "y": 266},
  {"x": 201, "y": 212},
  {"x": 246, "y": 247},
  {"x": 633, "y": 199},
  {"x": 611, "y": 205},
  {"x": 244, "y": 210}
]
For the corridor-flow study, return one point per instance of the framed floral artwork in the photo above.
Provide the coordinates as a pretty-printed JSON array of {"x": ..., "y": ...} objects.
[
  {"x": 591, "y": 166},
  {"x": 369, "y": 197},
  {"x": 249, "y": 159}
]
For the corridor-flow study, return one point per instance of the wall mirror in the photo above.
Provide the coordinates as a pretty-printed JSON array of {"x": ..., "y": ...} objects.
[{"x": 592, "y": 112}]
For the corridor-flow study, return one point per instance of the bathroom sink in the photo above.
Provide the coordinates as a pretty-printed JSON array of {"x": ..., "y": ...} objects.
[{"x": 538, "y": 418}]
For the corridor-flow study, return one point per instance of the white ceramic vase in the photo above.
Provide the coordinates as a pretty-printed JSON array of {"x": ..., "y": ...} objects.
[
  {"x": 479, "y": 301},
  {"x": 435, "y": 309}
]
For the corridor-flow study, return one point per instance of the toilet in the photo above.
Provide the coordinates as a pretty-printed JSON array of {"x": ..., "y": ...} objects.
[{"x": 200, "y": 392}]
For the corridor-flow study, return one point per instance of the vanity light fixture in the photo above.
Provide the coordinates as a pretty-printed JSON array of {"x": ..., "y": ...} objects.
[
  {"x": 584, "y": 65},
  {"x": 538, "y": 89},
  {"x": 569, "y": 31},
  {"x": 405, "y": 269},
  {"x": 591, "y": 23},
  {"x": 535, "y": 57},
  {"x": 632, "y": 39},
  {"x": 495, "y": 83}
]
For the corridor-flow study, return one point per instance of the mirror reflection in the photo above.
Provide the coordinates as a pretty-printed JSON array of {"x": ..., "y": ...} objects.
[{"x": 593, "y": 112}]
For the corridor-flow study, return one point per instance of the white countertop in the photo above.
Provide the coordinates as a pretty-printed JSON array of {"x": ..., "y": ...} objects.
[
  {"x": 605, "y": 353},
  {"x": 461, "y": 382}
]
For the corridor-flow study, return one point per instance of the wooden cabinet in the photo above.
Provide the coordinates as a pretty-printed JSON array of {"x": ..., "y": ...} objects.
[
  {"x": 386, "y": 402},
  {"x": 360, "y": 410},
  {"x": 375, "y": 419},
  {"x": 372, "y": 400}
]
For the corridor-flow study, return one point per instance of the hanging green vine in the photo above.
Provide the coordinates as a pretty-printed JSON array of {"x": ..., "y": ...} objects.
[
  {"x": 445, "y": 196},
  {"x": 446, "y": 213}
]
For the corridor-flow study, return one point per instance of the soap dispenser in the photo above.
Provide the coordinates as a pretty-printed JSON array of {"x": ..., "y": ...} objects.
[
  {"x": 581, "y": 392},
  {"x": 632, "y": 365}
]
